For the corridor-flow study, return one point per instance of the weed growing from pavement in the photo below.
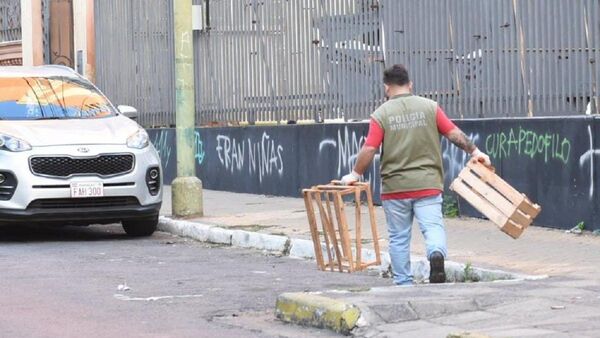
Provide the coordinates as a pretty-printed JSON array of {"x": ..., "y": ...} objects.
[
  {"x": 450, "y": 206},
  {"x": 469, "y": 276}
]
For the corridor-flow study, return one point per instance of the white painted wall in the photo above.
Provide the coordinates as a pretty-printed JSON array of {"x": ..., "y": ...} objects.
[
  {"x": 31, "y": 32},
  {"x": 80, "y": 33},
  {"x": 27, "y": 32}
]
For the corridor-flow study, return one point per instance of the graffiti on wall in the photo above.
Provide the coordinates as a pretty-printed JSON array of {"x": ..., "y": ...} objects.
[
  {"x": 543, "y": 159},
  {"x": 525, "y": 142},
  {"x": 164, "y": 146},
  {"x": 199, "y": 153},
  {"x": 164, "y": 142},
  {"x": 260, "y": 158},
  {"x": 454, "y": 158},
  {"x": 587, "y": 160},
  {"x": 347, "y": 145}
]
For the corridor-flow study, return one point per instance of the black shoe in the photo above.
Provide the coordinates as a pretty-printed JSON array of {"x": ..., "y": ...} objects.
[{"x": 437, "y": 274}]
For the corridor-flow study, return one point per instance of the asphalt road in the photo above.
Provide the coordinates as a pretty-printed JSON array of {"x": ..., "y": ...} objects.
[{"x": 63, "y": 282}]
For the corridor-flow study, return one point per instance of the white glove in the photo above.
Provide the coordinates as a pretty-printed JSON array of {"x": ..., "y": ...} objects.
[
  {"x": 478, "y": 156},
  {"x": 351, "y": 178}
]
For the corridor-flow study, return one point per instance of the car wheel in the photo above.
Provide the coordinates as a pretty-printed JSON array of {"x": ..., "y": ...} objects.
[{"x": 140, "y": 227}]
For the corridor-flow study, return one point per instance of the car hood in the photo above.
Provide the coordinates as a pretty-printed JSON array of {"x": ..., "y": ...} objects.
[{"x": 109, "y": 130}]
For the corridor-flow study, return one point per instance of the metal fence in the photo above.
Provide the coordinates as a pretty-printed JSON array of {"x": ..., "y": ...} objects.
[
  {"x": 321, "y": 59},
  {"x": 10, "y": 20},
  {"x": 288, "y": 60},
  {"x": 498, "y": 57},
  {"x": 135, "y": 62}
]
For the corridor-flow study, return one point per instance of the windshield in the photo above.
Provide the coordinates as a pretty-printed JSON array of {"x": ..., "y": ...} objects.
[{"x": 39, "y": 98}]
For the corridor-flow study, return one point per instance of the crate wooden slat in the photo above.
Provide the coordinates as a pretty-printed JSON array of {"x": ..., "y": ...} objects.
[
  {"x": 502, "y": 204},
  {"x": 342, "y": 255}
]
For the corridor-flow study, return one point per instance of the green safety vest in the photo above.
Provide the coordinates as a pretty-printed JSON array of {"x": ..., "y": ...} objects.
[{"x": 411, "y": 156}]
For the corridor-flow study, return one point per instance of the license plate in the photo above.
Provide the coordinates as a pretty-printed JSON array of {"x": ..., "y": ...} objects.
[{"x": 87, "y": 189}]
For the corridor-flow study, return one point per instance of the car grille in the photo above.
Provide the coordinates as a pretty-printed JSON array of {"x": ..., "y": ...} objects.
[
  {"x": 63, "y": 166},
  {"x": 96, "y": 202}
]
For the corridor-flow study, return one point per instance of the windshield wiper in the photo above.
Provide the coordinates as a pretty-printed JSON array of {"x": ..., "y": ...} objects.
[{"x": 49, "y": 118}]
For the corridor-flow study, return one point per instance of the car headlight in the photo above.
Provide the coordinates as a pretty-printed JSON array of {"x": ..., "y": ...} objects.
[
  {"x": 139, "y": 140},
  {"x": 9, "y": 143}
]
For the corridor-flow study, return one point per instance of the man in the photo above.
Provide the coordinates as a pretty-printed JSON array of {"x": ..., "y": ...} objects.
[{"x": 409, "y": 127}]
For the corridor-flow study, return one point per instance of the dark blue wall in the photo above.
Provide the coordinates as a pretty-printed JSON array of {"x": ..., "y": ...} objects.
[{"x": 552, "y": 160}]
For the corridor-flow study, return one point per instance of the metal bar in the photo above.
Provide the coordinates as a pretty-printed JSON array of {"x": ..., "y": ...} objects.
[
  {"x": 512, "y": 62},
  {"x": 595, "y": 57}
]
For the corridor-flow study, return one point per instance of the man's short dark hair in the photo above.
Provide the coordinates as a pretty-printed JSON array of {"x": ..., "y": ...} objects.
[{"x": 396, "y": 75}]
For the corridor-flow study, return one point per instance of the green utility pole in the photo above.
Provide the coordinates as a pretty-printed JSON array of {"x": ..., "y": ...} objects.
[{"x": 187, "y": 188}]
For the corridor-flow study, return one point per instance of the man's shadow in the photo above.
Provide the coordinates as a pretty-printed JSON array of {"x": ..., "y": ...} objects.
[{"x": 26, "y": 233}]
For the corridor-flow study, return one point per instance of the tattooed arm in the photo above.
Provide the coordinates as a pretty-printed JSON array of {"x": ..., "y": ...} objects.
[{"x": 459, "y": 139}]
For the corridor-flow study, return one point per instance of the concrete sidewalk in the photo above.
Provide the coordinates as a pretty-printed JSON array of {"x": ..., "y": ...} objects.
[
  {"x": 563, "y": 305},
  {"x": 555, "y": 307},
  {"x": 538, "y": 251}
]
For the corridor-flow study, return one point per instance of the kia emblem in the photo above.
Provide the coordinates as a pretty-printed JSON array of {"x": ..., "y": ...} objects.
[{"x": 83, "y": 150}]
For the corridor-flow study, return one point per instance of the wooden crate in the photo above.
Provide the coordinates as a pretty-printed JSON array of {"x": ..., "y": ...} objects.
[
  {"x": 335, "y": 227},
  {"x": 512, "y": 211}
]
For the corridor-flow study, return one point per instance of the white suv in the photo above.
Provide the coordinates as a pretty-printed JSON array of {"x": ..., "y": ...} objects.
[{"x": 68, "y": 157}]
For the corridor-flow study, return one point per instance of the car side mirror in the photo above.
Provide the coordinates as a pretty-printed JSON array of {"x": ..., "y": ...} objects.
[{"x": 128, "y": 111}]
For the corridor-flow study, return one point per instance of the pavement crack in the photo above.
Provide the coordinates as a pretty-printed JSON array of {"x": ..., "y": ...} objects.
[
  {"x": 412, "y": 308},
  {"x": 153, "y": 298}
]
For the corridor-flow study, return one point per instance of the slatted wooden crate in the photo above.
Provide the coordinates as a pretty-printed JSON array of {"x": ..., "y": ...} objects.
[
  {"x": 335, "y": 227},
  {"x": 487, "y": 192}
]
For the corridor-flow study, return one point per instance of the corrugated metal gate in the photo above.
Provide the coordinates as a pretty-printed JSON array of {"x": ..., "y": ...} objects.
[
  {"x": 498, "y": 57},
  {"x": 316, "y": 59},
  {"x": 302, "y": 59},
  {"x": 135, "y": 57}
]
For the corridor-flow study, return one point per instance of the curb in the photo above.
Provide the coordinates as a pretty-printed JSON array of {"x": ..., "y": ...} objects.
[
  {"x": 255, "y": 240},
  {"x": 212, "y": 234},
  {"x": 317, "y": 311},
  {"x": 304, "y": 249}
]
